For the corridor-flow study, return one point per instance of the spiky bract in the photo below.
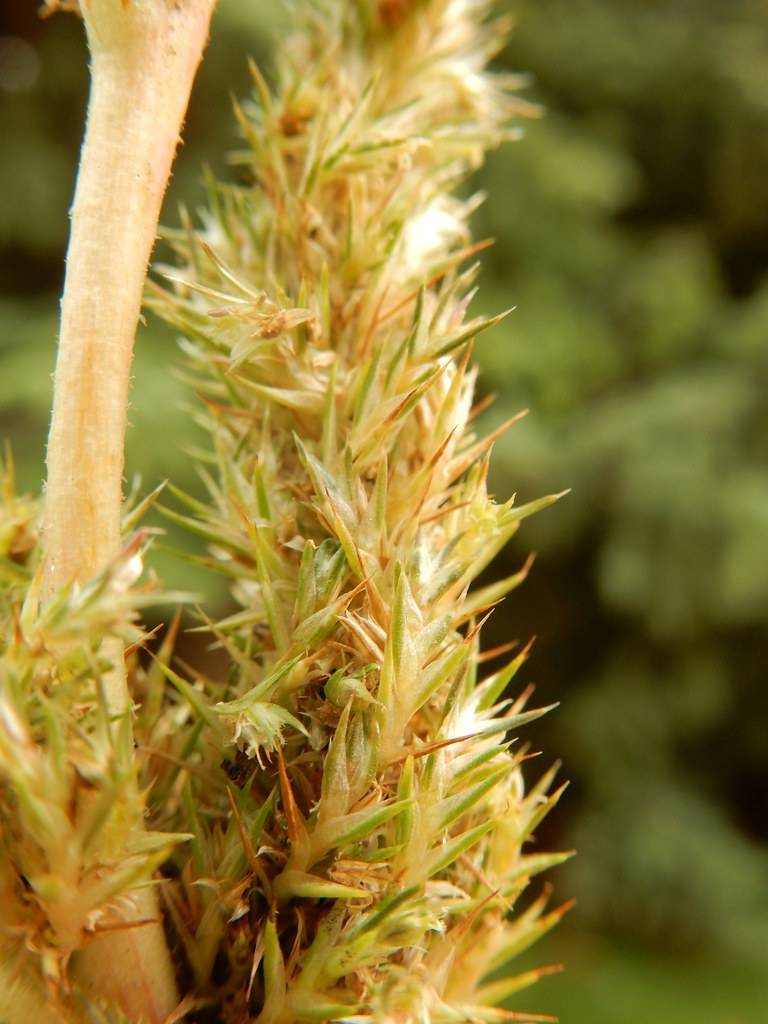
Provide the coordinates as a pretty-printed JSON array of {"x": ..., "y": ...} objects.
[
  {"x": 357, "y": 803},
  {"x": 72, "y": 842}
]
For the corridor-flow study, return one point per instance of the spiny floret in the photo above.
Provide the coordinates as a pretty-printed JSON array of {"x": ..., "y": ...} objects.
[
  {"x": 325, "y": 314},
  {"x": 71, "y": 815}
]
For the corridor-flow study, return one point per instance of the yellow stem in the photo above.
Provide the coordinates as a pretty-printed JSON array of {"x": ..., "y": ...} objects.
[{"x": 144, "y": 55}]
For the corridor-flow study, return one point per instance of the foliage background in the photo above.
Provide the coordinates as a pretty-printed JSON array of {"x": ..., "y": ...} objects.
[{"x": 631, "y": 229}]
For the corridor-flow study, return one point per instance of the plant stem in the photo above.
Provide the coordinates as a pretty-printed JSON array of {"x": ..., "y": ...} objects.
[{"x": 144, "y": 55}]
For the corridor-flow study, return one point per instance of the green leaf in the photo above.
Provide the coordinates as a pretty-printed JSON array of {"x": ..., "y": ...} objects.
[
  {"x": 452, "y": 808},
  {"x": 265, "y": 688},
  {"x": 471, "y": 330},
  {"x": 496, "y": 992},
  {"x": 301, "y": 885},
  {"x": 340, "y": 832},
  {"x": 454, "y": 848},
  {"x": 196, "y": 700},
  {"x": 519, "y": 512},
  {"x": 385, "y": 909},
  {"x": 334, "y": 790},
  {"x": 494, "y": 685},
  {"x": 274, "y": 975},
  {"x": 307, "y": 1006},
  {"x": 406, "y": 790}
]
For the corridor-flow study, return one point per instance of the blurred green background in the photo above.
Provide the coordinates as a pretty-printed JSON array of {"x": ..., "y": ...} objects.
[{"x": 631, "y": 229}]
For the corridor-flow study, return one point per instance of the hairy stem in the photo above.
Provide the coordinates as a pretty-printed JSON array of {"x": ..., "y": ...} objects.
[{"x": 144, "y": 55}]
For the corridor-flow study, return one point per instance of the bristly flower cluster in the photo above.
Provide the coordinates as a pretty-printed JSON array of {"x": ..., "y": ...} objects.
[
  {"x": 356, "y": 801},
  {"x": 72, "y": 840},
  {"x": 344, "y": 812}
]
